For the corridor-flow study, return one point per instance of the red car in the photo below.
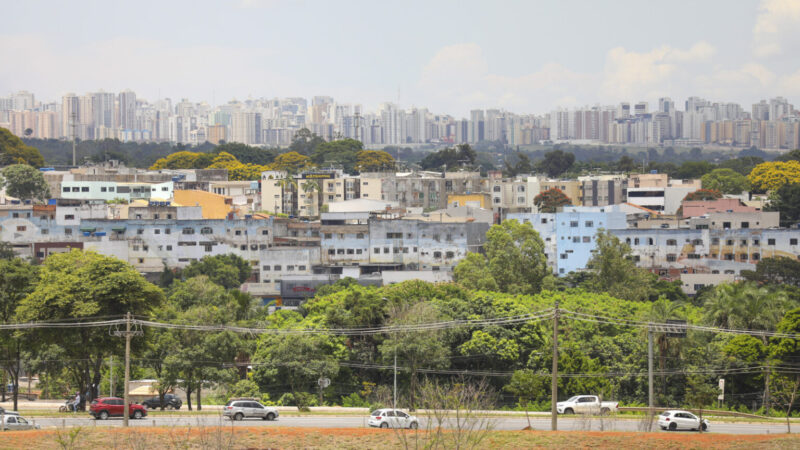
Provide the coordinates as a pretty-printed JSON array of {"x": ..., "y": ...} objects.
[{"x": 105, "y": 407}]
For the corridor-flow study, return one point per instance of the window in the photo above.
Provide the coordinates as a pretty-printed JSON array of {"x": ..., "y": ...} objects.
[
  {"x": 67, "y": 230},
  {"x": 21, "y": 228},
  {"x": 157, "y": 231},
  {"x": 729, "y": 242},
  {"x": 351, "y": 251},
  {"x": 264, "y": 232},
  {"x": 289, "y": 267},
  {"x": 496, "y": 189},
  {"x": 587, "y": 239},
  {"x": 45, "y": 231},
  {"x": 576, "y": 239},
  {"x": 496, "y": 200},
  {"x": 437, "y": 254},
  {"x": 589, "y": 224},
  {"x": 331, "y": 251},
  {"x": 187, "y": 230},
  {"x": 85, "y": 189},
  {"x": 745, "y": 225},
  {"x": 649, "y": 241},
  {"x": 242, "y": 247},
  {"x": 394, "y": 235},
  {"x": 715, "y": 241},
  {"x": 726, "y": 225},
  {"x": 756, "y": 256},
  {"x": 671, "y": 257},
  {"x": 69, "y": 217},
  {"x": 544, "y": 220},
  {"x": 278, "y": 267},
  {"x": 563, "y": 256},
  {"x": 340, "y": 251},
  {"x": 266, "y": 268},
  {"x": 450, "y": 255},
  {"x": 376, "y": 250},
  {"x": 76, "y": 189},
  {"x": 238, "y": 232},
  {"x": 743, "y": 256},
  {"x": 693, "y": 256},
  {"x": 136, "y": 248},
  {"x": 672, "y": 242},
  {"x": 206, "y": 230},
  {"x": 167, "y": 231},
  {"x": 744, "y": 242},
  {"x": 770, "y": 241},
  {"x": 573, "y": 223},
  {"x": 793, "y": 241},
  {"x": 697, "y": 242},
  {"x": 103, "y": 189},
  {"x": 169, "y": 248},
  {"x": 358, "y": 251},
  {"x": 729, "y": 256},
  {"x": 360, "y": 236},
  {"x": 385, "y": 250},
  {"x": 140, "y": 231},
  {"x": 66, "y": 189},
  {"x": 756, "y": 242}
]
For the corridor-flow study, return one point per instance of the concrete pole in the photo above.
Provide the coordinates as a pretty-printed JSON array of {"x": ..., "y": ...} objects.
[
  {"x": 126, "y": 409},
  {"x": 554, "y": 374}
]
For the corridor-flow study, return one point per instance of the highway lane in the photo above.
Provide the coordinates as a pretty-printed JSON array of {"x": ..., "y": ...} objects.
[{"x": 573, "y": 423}]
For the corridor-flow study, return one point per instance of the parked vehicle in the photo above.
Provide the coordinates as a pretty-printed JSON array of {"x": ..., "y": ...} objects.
[
  {"x": 239, "y": 409},
  {"x": 15, "y": 422},
  {"x": 586, "y": 404},
  {"x": 105, "y": 407},
  {"x": 681, "y": 420},
  {"x": 171, "y": 401},
  {"x": 392, "y": 418}
]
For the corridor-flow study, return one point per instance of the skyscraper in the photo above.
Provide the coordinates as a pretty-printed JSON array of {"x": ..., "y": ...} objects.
[{"x": 127, "y": 110}]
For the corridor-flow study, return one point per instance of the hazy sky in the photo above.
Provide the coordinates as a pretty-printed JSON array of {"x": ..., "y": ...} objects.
[{"x": 525, "y": 56}]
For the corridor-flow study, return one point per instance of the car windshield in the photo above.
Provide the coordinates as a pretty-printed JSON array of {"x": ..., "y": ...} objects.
[{"x": 572, "y": 399}]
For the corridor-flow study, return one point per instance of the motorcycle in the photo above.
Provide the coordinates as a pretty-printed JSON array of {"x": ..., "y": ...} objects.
[{"x": 67, "y": 406}]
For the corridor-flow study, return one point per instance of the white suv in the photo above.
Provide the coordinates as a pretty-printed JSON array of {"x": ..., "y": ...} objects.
[
  {"x": 681, "y": 420},
  {"x": 240, "y": 409},
  {"x": 392, "y": 418}
]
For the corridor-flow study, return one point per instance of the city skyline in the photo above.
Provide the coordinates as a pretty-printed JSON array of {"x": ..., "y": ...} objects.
[{"x": 470, "y": 56}]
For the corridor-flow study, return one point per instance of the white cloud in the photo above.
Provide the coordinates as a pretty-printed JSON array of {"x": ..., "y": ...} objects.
[
  {"x": 458, "y": 78},
  {"x": 776, "y": 29}
]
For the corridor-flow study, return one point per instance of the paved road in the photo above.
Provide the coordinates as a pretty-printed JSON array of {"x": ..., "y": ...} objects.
[{"x": 499, "y": 423}]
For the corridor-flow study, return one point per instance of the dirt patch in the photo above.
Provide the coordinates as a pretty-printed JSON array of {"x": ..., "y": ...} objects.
[{"x": 336, "y": 438}]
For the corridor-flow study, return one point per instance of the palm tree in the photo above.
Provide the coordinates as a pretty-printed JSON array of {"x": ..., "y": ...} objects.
[
  {"x": 309, "y": 186},
  {"x": 750, "y": 307},
  {"x": 660, "y": 311}
]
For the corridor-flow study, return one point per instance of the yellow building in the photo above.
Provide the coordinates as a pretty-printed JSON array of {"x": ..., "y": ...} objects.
[
  {"x": 472, "y": 200},
  {"x": 214, "y": 206},
  {"x": 572, "y": 188}
]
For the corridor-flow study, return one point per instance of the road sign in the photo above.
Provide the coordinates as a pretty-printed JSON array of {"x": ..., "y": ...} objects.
[
  {"x": 721, "y": 389},
  {"x": 324, "y": 382}
]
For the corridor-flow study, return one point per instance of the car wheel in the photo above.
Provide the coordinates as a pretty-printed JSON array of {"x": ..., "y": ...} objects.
[
  {"x": 384, "y": 425},
  {"x": 569, "y": 411},
  {"x": 413, "y": 426},
  {"x": 238, "y": 416},
  {"x": 270, "y": 416},
  {"x": 103, "y": 415},
  {"x": 704, "y": 427},
  {"x": 137, "y": 414},
  {"x": 673, "y": 426}
]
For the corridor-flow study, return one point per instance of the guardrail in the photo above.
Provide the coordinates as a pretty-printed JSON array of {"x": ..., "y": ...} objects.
[{"x": 706, "y": 412}]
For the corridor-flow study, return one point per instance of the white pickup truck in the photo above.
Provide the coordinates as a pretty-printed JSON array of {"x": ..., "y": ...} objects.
[{"x": 586, "y": 404}]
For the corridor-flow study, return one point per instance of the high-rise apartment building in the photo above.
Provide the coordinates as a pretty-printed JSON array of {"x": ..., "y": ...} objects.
[
  {"x": 103, "y": 105},
  {"x": 127, "y": 110},
  {"x": 246, "y": 127}
]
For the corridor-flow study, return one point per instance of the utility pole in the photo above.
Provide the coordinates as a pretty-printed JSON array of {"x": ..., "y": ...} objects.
[
  {"x": 126, "y": 409},
  {"x": 650, "y": 370},
  {"x": 394, "y": 397},
  {"x": 554, "y": 374},
  {"x": 111, "y": 375}
]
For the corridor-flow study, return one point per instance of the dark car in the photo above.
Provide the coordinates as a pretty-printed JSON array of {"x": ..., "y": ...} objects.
[
  {"x": 105, "y": 407},
  {"x": 171, "y": 401}
]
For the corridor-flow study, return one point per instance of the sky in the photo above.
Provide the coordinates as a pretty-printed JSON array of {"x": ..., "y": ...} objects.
[{"x": 449, "y": 56}]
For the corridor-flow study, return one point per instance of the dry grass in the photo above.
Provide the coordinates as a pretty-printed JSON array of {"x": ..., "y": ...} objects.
[{"x": 336, "y": 438}]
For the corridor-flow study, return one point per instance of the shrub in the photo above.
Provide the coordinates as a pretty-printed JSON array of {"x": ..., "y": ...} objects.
[
  {"x": 304, "y": 400},
  {"x": 245, "y": 388},
  {"x": 354, "y": 401},
  {"x": 286, "y": 399}
]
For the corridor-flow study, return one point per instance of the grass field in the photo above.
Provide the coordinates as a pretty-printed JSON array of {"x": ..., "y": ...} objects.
[{"x": 259, "y": 437}]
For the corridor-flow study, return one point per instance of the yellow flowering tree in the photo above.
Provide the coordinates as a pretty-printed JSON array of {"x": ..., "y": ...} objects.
[{"x": 770, "y": 176}]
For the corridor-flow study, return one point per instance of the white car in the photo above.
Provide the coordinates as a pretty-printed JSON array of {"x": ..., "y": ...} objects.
[
  {"x": 681, "y": 420},
  {"x": 392, "y": 418},
  {"x": 586, "y": 404},
  {"x": 15, "y": 422}
]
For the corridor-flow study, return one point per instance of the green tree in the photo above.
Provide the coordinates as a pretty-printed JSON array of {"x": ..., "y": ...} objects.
[
  {"x": 415, "y": 349},
  {"x": 775, "y": 271},
  {"x": 245, "y": 388},
  {"x": 85, "y": 285},
  {"x": 786, "y": 353},
  {"x": 17, "y": 279},
  {"x": 700, "y": 393},
  {"x": 450, "y": 158},
  {"x": 14, "y": 151},
  {"x": 626, "y": 164},
  {"x": 550, "y": 200},
  {"x": 514, "y": 259},
  {"x": 24, "y": 182},
  {"x": 556, "y": 162},
  {"x": 373, "y": 161},
  {"x": 343, "y": 152},
  {"x": 523, "y": 165},
  {"x": 614, "y": 271},
  {"x": 247, "y": 154},
  {"x": 787, "y": 201},
  {"x": 726, "y": 181},
  {"x": 228, "y": 271},
  {"x": 527, "y": 386},
  {"x": 693, "y": 169},
  {"x": 305, "y": 142}
]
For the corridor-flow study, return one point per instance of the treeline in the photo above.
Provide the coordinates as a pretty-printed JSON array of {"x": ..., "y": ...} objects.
[{"x": 599, "y": 351}]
